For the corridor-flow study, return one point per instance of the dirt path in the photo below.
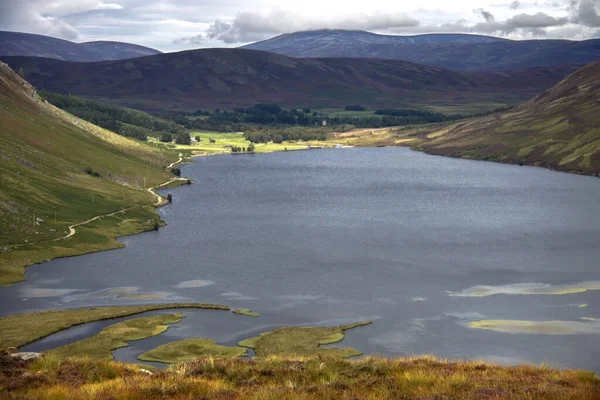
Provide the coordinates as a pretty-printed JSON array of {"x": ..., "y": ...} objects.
[
  {"x": 176, "y": 162},
  {"x": 159, "y": 202}
]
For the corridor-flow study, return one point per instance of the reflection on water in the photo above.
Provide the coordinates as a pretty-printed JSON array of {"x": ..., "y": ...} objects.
[
  {"x": 308, "y": 238},
  {"x": 540, "y": 327},
  {"x": 197, "y": 283},
  {"x": 123, "y": 293},
  {"x": 528, "y": 288}
]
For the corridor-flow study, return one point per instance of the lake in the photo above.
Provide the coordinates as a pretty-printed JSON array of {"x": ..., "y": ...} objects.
[{"x": 427, "y": 247}]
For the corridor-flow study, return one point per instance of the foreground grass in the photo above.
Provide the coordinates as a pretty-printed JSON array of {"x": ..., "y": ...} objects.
[
  {"x": 286, "y": 378},
  {"x": 19, "y": 330},
  {"x": 303, "y": 341},
  {"x": 100, "y": 346},
  {"x": 190, "y": 350}
]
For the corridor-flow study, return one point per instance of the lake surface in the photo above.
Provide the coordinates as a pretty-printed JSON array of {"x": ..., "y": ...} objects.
[{"x": 325, "y": 237}]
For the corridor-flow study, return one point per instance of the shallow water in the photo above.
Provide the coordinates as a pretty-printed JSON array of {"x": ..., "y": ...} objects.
[{"x": 422, "y": 245}]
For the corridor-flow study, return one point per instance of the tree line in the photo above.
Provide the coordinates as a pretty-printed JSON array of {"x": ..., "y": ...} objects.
[{"x": 122, "y": 120}]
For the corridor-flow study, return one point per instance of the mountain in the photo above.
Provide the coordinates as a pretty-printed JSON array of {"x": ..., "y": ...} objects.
[
  {"x": 452, "y": 51},
  {"x": 559, "y": 129},
  {"x": 233, "y": 77},
  {"x": 27, "y": 44},
  {"x": 57, "y": 171}
]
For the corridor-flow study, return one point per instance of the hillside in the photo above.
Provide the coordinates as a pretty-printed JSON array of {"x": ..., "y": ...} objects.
[
  {"x": 452, "y": 51},
  {"x": 234, "y": 77},
  {"x": 558, "y": 129},
  {"x": 58, "y": 171},
  {"x": 27, "y": 44}
]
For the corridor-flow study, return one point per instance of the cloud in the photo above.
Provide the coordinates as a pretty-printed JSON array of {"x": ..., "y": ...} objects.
[
  {"x": 197, "y": 39},
  {"x": 46, "y": 17},
  {"x": 586, "y": 12},
  {"x": 108, "y": 6},
  {"x": 26, "y": 16},
  {"x": 488, "y": 16},
  {"x": 532, "y": 23},
  {"x": 249, "y": 26},
  {"x": 515, "y": 4}
]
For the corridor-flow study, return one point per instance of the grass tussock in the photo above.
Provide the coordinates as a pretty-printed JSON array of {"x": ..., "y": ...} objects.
[
  {"x": 21, "y": 329},
  {"x": 303, "y": 341},
  {"x": 293, "y": 378}
]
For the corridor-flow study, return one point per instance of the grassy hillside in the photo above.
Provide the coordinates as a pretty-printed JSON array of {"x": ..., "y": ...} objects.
[
  {"x": 57, "y": 171},
  {"x": 559, "y": 129},
  {"x": 227, "y": 78},
  {"x": 291, "y": 378}
]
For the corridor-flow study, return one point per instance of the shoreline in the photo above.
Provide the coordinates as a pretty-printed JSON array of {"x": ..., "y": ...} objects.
[{"x": 161, "y": 201}]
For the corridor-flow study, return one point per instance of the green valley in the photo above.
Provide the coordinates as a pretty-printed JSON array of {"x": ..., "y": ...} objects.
[{"x": 58, "y": 171}]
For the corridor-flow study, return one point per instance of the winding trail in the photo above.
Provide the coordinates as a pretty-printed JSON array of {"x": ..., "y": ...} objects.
[{"x": 159, "y": 202}]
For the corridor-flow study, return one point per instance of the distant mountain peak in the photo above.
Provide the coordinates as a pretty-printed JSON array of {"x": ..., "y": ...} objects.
[
  {"x": 458, "y": 51},
  {"x": 33, "y": 45}
]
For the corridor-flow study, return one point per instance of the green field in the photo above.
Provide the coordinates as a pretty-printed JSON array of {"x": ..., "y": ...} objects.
[
  {"x": 237, "y": 139},
  {"x": 340, "y": 112}
]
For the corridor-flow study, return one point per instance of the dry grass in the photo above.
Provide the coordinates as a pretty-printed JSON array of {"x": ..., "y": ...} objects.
[
  {"x": 286, "y": 378},
  {"x": 19, "y": 330}
]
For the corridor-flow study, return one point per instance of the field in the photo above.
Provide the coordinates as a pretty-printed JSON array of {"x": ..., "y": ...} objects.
[
  {"x": 340, "y": 112},
  {"x": 237, "y": 139}
]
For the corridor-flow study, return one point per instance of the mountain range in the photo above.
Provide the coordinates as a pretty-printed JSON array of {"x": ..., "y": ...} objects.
[
  {"x": 453, "y": 51},
  {"x": 27, "y": 44},
  {"x": 234, "y": 77}
]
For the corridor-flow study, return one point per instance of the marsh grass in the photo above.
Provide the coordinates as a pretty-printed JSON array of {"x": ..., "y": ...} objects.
[
  {"x": 21, "y": 329},
  {"x": 295, "y": 378},
  {"x": 246, "y": 312},
  {"x": 189, "y": 350},
  {"x": 303, "y": 341},
  {"x": 100, "y": 346}
]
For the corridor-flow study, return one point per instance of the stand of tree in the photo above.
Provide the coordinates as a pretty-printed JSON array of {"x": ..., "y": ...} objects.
[
  {"x": 261, "y": 117},
  {"x": 124, "y": 121}
]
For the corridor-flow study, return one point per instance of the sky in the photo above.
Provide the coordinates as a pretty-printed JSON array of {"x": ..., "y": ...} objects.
[{"x": 172, "y": 25}]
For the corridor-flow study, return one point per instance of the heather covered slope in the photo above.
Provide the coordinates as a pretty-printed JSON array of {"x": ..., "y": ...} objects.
[
  {"x": 452, "y": 51},
  {"x": 57, "y": 171},
  {"x": 558, "y": 129},
  {"x": 27, "y": 44},
  {"x": 291, "y": 378},
  {"x": 227, "y": 78}
]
